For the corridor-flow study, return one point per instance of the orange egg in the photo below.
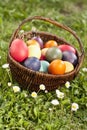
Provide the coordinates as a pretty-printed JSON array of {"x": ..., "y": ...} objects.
[
  {"x": 32, "y": 42},
  {"x": 50, "y": 43},
  {"x": 57, "y": 67}
]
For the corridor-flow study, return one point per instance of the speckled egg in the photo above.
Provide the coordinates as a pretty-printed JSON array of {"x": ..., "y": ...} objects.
[{"x": 53, "y": 53}]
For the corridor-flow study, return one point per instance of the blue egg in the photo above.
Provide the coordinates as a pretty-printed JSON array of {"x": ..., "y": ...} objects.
[
  {"x": 44, "y": 66},
  {"x": 32, "y": 63}
]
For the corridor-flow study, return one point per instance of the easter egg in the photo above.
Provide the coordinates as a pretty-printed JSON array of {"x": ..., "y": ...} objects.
[
  {"x": 42, "y": 57},
  {"x": 50, "y": 43},
  {"x": 32, "y": 42},
  {"x": 57, "y": 67},
  {"x": 69, "y": 66},
  {"x": 39, "y": 40},
  {"x": 44, "y": 66},
  {"x": 70, "y": 56},
  {"x": 18, "y": 50},
  {"x": 53, "y": 53},
  {"x": 43, "y": 51},
  {"x": 34, "y": 51},
  {"x": 65, "y": 47},
  {"x": 32, "y": 63}
]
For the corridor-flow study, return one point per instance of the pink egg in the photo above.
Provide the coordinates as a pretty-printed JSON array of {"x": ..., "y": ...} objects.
[{"x": 65, "y": 47}]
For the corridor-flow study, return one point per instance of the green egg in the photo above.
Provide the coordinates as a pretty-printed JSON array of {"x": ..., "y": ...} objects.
[
  {"x": 53, "y": 53},
  {"x": 44, "y": 66}
]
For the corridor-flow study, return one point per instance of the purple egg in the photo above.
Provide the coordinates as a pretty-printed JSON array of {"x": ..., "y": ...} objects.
[
  {"x": 32, "y": 63},
  {"x": 39, "y": 40},
  {"x": 70, "y": 56}
]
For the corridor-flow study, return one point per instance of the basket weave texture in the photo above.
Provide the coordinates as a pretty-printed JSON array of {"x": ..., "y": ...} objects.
[{"x": 29, "y": 79}]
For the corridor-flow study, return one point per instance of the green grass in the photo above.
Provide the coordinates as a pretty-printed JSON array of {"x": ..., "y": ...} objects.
[{"x": 21, "y": 112}]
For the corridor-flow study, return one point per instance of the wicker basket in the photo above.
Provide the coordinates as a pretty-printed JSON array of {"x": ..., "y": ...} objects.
[{"x": 29, "y": 79}]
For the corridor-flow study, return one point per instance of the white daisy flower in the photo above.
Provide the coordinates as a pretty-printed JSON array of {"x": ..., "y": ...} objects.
[
  {"x": 60, "y": 95},
  {"x": 5, "y": 66},
  {"x": 84, "y": 69},
  {"x": 67, "y": 84},
  {"x": 55, "y": 102},
  {"x": 16, "y": 89},
  {"x": 50, "y": 109},
  {"x": 9, "y": 84},
  {"x": 74, "y": 107},
  {"x": 57, "y": 91},
  {"x": 34, "y": 94},
  {"x": 42, "y": 87},
  {"x": 46, "y": 91},
  {"x": 21, "y": 31}
]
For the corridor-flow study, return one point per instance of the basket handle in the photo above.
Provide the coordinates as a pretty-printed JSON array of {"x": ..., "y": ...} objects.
[{"x": 52, "y": 22}]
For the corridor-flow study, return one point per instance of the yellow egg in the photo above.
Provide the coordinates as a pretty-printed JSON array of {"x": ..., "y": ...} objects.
[
  {"x": 43, "y": 51},
  {"x": 32, "y": 42},
  {"x": 69, "y": 66},
  {"x": 34, "y": 51}
]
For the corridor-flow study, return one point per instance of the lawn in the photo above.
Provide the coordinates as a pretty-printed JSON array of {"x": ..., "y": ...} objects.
[{"x": 22, "y": 110}]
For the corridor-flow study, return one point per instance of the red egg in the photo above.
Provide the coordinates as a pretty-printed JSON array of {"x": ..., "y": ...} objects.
[
  {"x": 19, "y": 50},
  {"x": 42, "y": 57}
]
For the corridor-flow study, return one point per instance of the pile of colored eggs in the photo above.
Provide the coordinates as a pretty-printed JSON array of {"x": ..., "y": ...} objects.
[{"x": 46, "y": 57}]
